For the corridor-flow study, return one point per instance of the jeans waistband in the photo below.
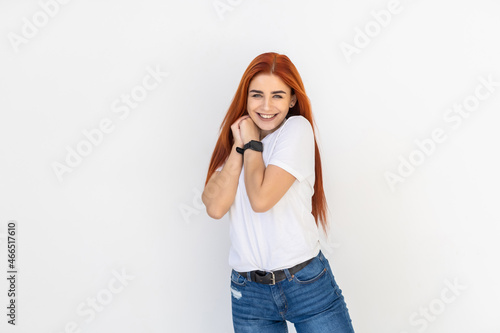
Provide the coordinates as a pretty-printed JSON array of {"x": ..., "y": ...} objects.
[{"x": 274, "y": 276}]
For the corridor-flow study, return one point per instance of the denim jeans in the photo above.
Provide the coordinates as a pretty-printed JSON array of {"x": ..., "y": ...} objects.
[{"x": 310, "y": 299}]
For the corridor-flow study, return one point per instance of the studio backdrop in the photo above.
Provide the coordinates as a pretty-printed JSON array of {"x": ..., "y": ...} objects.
[{"x": 109, "y": 114}]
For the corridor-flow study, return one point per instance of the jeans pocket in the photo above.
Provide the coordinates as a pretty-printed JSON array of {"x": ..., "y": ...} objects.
[
  {"x": 238, "y": 279},
  {"x": 311, "y": 273}
]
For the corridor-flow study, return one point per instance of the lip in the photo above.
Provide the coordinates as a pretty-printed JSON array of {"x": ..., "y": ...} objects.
[{"x": 265, "y": 119}]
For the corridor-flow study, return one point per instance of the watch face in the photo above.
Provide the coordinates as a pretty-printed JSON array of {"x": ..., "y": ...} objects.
[{"x": 256, "y": 145}]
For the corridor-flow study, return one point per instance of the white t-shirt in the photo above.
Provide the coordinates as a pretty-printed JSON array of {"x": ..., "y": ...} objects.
[{"x": 286, "y": 234}]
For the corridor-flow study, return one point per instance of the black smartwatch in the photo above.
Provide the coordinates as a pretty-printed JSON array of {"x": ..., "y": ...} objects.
[{"x": 254, "y": 145}]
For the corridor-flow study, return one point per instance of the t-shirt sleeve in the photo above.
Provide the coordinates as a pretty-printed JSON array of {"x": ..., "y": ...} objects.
[{"x": 294, "y": 148}]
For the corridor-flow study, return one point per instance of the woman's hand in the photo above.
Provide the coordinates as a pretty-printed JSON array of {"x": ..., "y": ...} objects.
[
  {"x": 235, "y": 128},
  {"x": 248, "y": 130}
]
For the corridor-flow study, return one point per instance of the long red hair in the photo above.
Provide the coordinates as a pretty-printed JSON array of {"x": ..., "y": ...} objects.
[{"x": 280, "y": 65}]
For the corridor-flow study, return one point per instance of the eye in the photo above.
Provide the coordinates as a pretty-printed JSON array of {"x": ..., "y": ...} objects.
[
  {"x": 278, "y": 96},
  {"x": 256, "y": 95}
]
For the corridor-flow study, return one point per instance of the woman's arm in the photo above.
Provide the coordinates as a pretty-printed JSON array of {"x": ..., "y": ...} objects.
[
  {"x": 219, "y": 193},
  {"x": 265, "y": 186}
]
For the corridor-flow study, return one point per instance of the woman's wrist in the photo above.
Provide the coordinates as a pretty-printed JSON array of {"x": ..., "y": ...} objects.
[{"x": 234, "y": 151}]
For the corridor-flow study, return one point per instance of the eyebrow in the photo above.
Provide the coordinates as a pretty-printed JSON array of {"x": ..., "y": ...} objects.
[{"x": 272, "y": 92}]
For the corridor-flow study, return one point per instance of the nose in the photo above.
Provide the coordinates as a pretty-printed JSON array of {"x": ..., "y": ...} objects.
[{"x": 266, "y": 104}]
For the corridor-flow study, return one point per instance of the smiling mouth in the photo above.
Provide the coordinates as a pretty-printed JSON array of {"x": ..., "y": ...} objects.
[{"x": 267, "y": 116}]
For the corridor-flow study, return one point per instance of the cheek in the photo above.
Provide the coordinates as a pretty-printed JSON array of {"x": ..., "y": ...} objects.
[
  {"x": 252, "y": 105},
  {"x": 284, "y": 105}
]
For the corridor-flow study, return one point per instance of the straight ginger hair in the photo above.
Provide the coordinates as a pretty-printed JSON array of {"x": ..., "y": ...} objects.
[{"x": 280, "y": 65}]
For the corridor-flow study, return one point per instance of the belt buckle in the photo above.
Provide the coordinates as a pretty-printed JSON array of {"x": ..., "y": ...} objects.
[{"x": 273, "y": 279}]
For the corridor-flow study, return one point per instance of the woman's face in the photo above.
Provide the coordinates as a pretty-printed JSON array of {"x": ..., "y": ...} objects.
[{"x": 269, "y": 99}]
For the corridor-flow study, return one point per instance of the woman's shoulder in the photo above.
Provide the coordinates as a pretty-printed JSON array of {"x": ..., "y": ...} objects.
[
  {"x": 298, "y": 118},
  {"x": 298, "y": 121}
]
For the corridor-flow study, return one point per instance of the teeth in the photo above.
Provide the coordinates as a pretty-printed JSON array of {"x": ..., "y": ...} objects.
[{"x": 266, "y": 116}]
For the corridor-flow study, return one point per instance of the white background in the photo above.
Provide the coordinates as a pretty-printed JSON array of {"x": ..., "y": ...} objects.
[{"x": 133, "y": 203}]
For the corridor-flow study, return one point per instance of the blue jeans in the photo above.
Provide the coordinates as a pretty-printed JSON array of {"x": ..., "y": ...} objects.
[{"x": 310, "y": 299}]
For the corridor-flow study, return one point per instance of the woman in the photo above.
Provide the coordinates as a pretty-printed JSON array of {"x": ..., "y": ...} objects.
[{"x": 266, "y": 171}]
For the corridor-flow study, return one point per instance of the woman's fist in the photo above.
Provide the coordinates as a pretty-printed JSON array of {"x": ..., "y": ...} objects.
[
  {"x": 235, "y": 128},
  {"x": 248, "y": 130}
]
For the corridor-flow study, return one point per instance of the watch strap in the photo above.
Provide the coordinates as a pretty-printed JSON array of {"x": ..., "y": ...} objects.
[{"x": 252, "y": 144}]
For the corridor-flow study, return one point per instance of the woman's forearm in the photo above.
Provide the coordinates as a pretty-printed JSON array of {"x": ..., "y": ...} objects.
[
  {"x": 254, "y": 176},
  {"x": 219, "y": 193}
]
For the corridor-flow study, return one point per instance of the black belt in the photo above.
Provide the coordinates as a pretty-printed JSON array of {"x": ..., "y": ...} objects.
[{"x": 274, "y": 276}]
